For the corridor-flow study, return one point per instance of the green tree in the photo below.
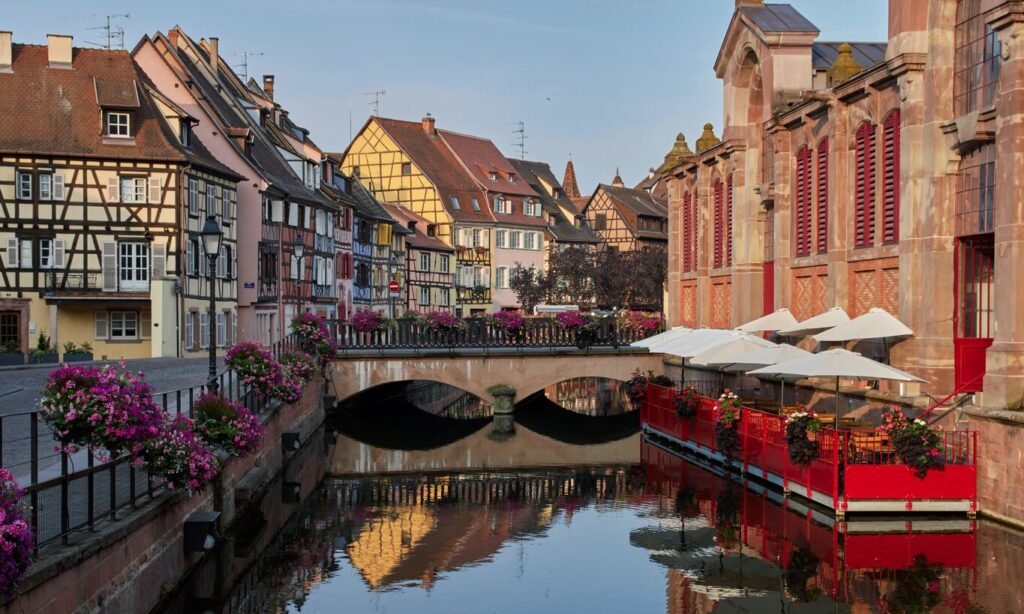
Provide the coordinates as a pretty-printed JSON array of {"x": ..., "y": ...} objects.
[{"x": 530, "y": 286}]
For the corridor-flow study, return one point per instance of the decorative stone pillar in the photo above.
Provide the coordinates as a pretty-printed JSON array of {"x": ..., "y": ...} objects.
[{"x": 502, "y": 398}]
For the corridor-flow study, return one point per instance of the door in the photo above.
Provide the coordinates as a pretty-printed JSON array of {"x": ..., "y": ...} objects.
[
  {"x": 975, "y": 290},
  {"x": 10, "y": 331},
  {"x": 133, "y": 266}
]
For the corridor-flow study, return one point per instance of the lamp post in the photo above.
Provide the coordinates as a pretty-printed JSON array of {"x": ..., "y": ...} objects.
[
  {"x": 298, "y": 251},
  {"x": 212, "y": 236}
]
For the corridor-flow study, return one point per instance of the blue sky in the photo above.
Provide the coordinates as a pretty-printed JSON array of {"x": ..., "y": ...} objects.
[{"x": 609, "y": 81}]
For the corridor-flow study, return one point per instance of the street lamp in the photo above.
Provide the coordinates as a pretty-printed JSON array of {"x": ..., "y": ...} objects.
[{"x": 212, "y": 236}]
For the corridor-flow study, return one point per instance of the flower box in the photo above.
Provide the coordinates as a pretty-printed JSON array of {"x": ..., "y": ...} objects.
[
  {"x": 48, "y": 358},
  {"x": 77, "y": 356},
  {"x": 8, "y": 359}
]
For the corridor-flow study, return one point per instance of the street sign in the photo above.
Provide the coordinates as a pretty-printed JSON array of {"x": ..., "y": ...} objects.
[{"x": 393, "y": 288}]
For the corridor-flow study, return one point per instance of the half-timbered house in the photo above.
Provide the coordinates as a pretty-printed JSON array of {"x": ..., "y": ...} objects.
[
  {"x": 627, "y": 219},
  {"x": 104, "y": 190},
  {"x": 565, "y": 224},
  {"x": 429, "y": 268}
]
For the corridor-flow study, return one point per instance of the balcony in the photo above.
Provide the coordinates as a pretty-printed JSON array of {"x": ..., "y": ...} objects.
[
  {"x": 270, "y": 232},
  {"x": 473, "y": 255},
  {"x": 61, "y": 282},
  {"x": 478, "y": 294}
]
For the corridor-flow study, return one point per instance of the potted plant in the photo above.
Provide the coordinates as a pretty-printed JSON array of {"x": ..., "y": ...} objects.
[
  {"x": 686, "y": 402},
  {"x": 16, "y": 542},
  {"x": 77, "y": 353},
  {"x": 10, "y": 354},
  {"x": 315, "y": 337},
  {"x": 801, "y": 428},
  {"x": 727, "y": 425},
  {"x": 43, "y": 353},
  {"x": 917, "y": 445}
]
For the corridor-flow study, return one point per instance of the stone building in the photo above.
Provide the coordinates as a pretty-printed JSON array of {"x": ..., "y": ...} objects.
[{"x": 863, "y": 175}]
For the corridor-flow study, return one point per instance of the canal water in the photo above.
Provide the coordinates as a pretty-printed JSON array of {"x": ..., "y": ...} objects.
[{"x": 578, "y": 512}]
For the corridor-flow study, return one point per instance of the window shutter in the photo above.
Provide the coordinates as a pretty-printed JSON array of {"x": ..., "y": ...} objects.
[
  {"x": 26, "y": 254},
  {"x": 190, "y": 257},
  {"x": 109, "y": 263},
  {"x": 204, "y": 329},
  {"x": 718, "y": 225},
  {"x": 58, "y": 254},
  {"x": 189, "y": 340},
  {"x": 12, "y": 253},
  {"x": 728, "y": 222},
  {"x": 113, "y": 189},
  {"x": 485, "y": 277},
  {"x": 145, "y": 325},
  {"x": 803, "y": 204},
  {"x": 823, "y": 196},
  {"x": 101, "y": 324},
  {"x": 890, "y": 178},
  {"x": 159, "y": 260},
  {"x": 58, "y": 186},
  {"x": 221, "y": 329},
  {"x": 307, "y": 222},
  {"x": 154, "y": 190},
  {"x": 864, "y": 231},
  {"x": 234, "y": 328}
]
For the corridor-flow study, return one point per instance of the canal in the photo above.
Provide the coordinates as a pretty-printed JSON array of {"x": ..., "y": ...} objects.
[{"x": 576, "y": 512}]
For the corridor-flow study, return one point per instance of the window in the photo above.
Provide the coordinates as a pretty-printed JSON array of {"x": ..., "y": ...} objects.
[
  {"x": 193, "y": 197},
  {"x": 864, "y": 196},
  {"x": 45, "y": 186},
  {"x": 51, "y": 253},
  {"x": 444, "y": 264},
  {"x": 975, "y": 191},
  {"x": 728, "y": 222},
  {"x": 228, "y": 204},
  {"x": 802, "y": 205},
  {"x": 191, "y": 255},
  {"x": 515, "y": 239},
  {"x": 204, "y": 329},
  {"x": 133, "y": 266},
  {"x": 424, "y": 262},
  {"x": 118, "y": 124},
  {"x": 222, "y": 329},
  {"x": 477, "y": 235},
  {"x": 455, "y": 202},
  {"x": 211, "y": 199},
  {"x": 822, "y": 194},
  {"x": 190, "y": 340},
  {"x": 499, "y": 204},
  {"x": 511, "y": 178},
  {"x": 501, "y": 277},
  {"x": 531, "y": 240},
  {"x": 124, "y": 325},
  {"x": 891, "y": 178},
  {"x": 531, "y": 208},
  {"x": 424, "y": 295},
  {"x": 445, "y": 298},
  {"x": 500, "y": 238},
  {"x": 492, "y": 176},
  {"x": 977, "y": 59},
  {"x": 222, "y": 259},
  {"x": 24, "y": 185},
  {"x": 355, "y": 171},
  {"x": 718, "y": 211},
  {"x": 476, "y": 203},
  {"x": 133, "y": 189},
  {"x": 431, "y": 230},
  {"x": 185, "y": 133},
  {"x": 601, "y": 221},
  {"x": 406, "y": 168}
]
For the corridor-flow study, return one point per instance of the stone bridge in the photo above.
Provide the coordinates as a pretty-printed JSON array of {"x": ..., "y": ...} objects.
[{"x": 498, "y": 372}]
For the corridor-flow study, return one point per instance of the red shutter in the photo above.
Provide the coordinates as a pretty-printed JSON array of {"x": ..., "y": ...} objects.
[
  {"x": 717, "y": 261},
  {"x": 803, "y": 205},
  {"x": 728, "y": 222},
  {"x": 823, "y": 196},
  {"x": 864, "y": 231},
  {"x": 687, "y": 237},
  {"x": 891, "y": 178}
]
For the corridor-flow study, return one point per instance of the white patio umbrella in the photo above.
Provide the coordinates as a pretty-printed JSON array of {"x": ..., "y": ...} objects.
[
  {"x": 724, "y": 351},
  {"x": 837, "y": 363},
  {"x": 827, "y": 319},
  {"x": 654, "y": 341},
  {"x": 694, "y": 342},
  {"x": 772, "y": 322},
  {"x": 763, "y": 357},
  {"x": 877, "y": 323}
]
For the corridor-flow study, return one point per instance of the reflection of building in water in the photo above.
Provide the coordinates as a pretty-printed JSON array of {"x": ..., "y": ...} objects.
[
  {"x": 447, "y": 401},
  {"x": 592, "y": 396}
]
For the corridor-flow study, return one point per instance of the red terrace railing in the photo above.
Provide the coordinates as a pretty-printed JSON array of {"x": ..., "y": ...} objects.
[{"x": 850, "y": 468}]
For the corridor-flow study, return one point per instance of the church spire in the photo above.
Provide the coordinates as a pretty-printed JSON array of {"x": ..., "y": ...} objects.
[
  {"x": 572, "y": 189},
  {"x": 618, "y": 180}
]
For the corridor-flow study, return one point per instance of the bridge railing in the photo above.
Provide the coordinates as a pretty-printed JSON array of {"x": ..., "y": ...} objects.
[{"x": 478, "y": 332}]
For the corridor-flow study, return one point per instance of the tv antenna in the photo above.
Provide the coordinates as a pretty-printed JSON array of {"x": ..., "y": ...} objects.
[
  {"x": 244, "y": 64},
  {"x": 113, "y": 33},
  {"x": 521, "y": 137},
  {"x": 376, "y": 100}
]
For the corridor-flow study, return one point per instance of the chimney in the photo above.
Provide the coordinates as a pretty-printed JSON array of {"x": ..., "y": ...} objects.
[
  {"x": 215, "y": 54},
  {"x": 740, "y": 3},
  {"x": 59, "y": 47},
  {"x": 6, "y": 58},
  {"x": 428, "y": 125},
  {"x": 268, "y": 86},
  {"x": 172, "y": 35}
]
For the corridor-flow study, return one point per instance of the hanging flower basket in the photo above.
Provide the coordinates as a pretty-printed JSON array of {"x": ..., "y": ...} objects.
[
  {"x": 315, "y": 337},
  {"x": 801, "y": 428},
  {"x": 727, "y": 425},
  {"x": 227, "y": 425},
  {"x": 686, "y": 402},
  {"x": 916, "y": 444},
  {"x": 256, "y": 366},
  {"x": 371, "y": 321},
  {"x": 178, "y": 457},
  {"x": 16, "y": 541}
]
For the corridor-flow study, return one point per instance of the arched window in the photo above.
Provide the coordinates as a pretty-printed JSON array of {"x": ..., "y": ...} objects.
[
  {"x": 864, "y": 198},
  {"x": 822, "y": 195},
  {"x": 975, "y": 191},
  {"x": 977, "y": 60},
  {"x": 891, "y": 178},
  {"x": 802, "y": 206},
  {"x": 717, "y": 213}
]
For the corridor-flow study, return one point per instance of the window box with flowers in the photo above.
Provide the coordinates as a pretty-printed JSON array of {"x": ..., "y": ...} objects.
[
  {"x": 802, "y": 428},
  {"x": 368, "y": 322},
  {"x": 77, "y": 353},
  {"x": 584, "y": 329},
  {"x": 727, "y": 425}
]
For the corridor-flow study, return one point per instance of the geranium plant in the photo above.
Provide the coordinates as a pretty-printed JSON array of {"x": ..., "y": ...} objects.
[
  {"x": 572, "y": 320},
  {"x": 641, "y": 323},
  {"x": 802, "y": 449},
  {"x": 298, "y": 366},
  {"x": 507, "y": 321},
  {"x": 178, "y": 458},
  {"x": 16, "y": 541},
  {"x": 109, "y": 409},
  {"x": 256, "y": 366},
  {"x": 686, "y": 402},
  {"x": 227, "y": 425},
  {"x": 371, "y": 321},
  {"x": 916, "y": 444},
  {"x": 441, "y": 321},
  {"x": 727, "y": 423},
  {"x": 637, "y": 388},
  {"x": 315, "y": 337}
]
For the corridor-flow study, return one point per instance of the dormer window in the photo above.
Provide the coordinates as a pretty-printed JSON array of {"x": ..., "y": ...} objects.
[
  {"x": 493, "y": 176},
  {"x": 431, "y": 230},
  {"x": 511, "y": 179},
  {"x": 185, "y": 133},
  {"x": 118, "y": 124}
]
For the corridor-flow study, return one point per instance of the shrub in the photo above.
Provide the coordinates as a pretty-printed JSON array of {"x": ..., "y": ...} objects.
[
  {"x": 227, "y": 425},
  {"x": 256, "y": 366},
  {"x": 802, "y": 450},
  {"x": 178, "y": 457},
  {"x": 16, "y": 542},
  {"x": 109, "y": 409}
]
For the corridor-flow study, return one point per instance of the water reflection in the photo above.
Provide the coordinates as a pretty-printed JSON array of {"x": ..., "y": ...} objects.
[{"x": 591, "y": 396}]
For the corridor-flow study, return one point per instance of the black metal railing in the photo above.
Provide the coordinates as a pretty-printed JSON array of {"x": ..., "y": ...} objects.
[
  {"x": 70, "y": 492},
  {"x": 409, "y": 333},
  {"x": 476, "y": 294},
  {"x": 58, "y": 280},
  {"x": 472, "y": 255}
]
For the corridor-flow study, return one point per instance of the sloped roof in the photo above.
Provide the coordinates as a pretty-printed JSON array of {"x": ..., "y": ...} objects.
[
  {"x": 366, "y": 203},
  {"x": 823, "y": 54},
  {"x": 433, "y": 158},
  {"x": 639, "y": 201},
  {"x": 776, "y": 18},
  {"x": 565, "y": 229},
  {"x": 481, "y": 157},
  {"x": 653, "y": 184},
  {"x": 50, "y": 111},
  {"x": 417, "y": 238}
]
